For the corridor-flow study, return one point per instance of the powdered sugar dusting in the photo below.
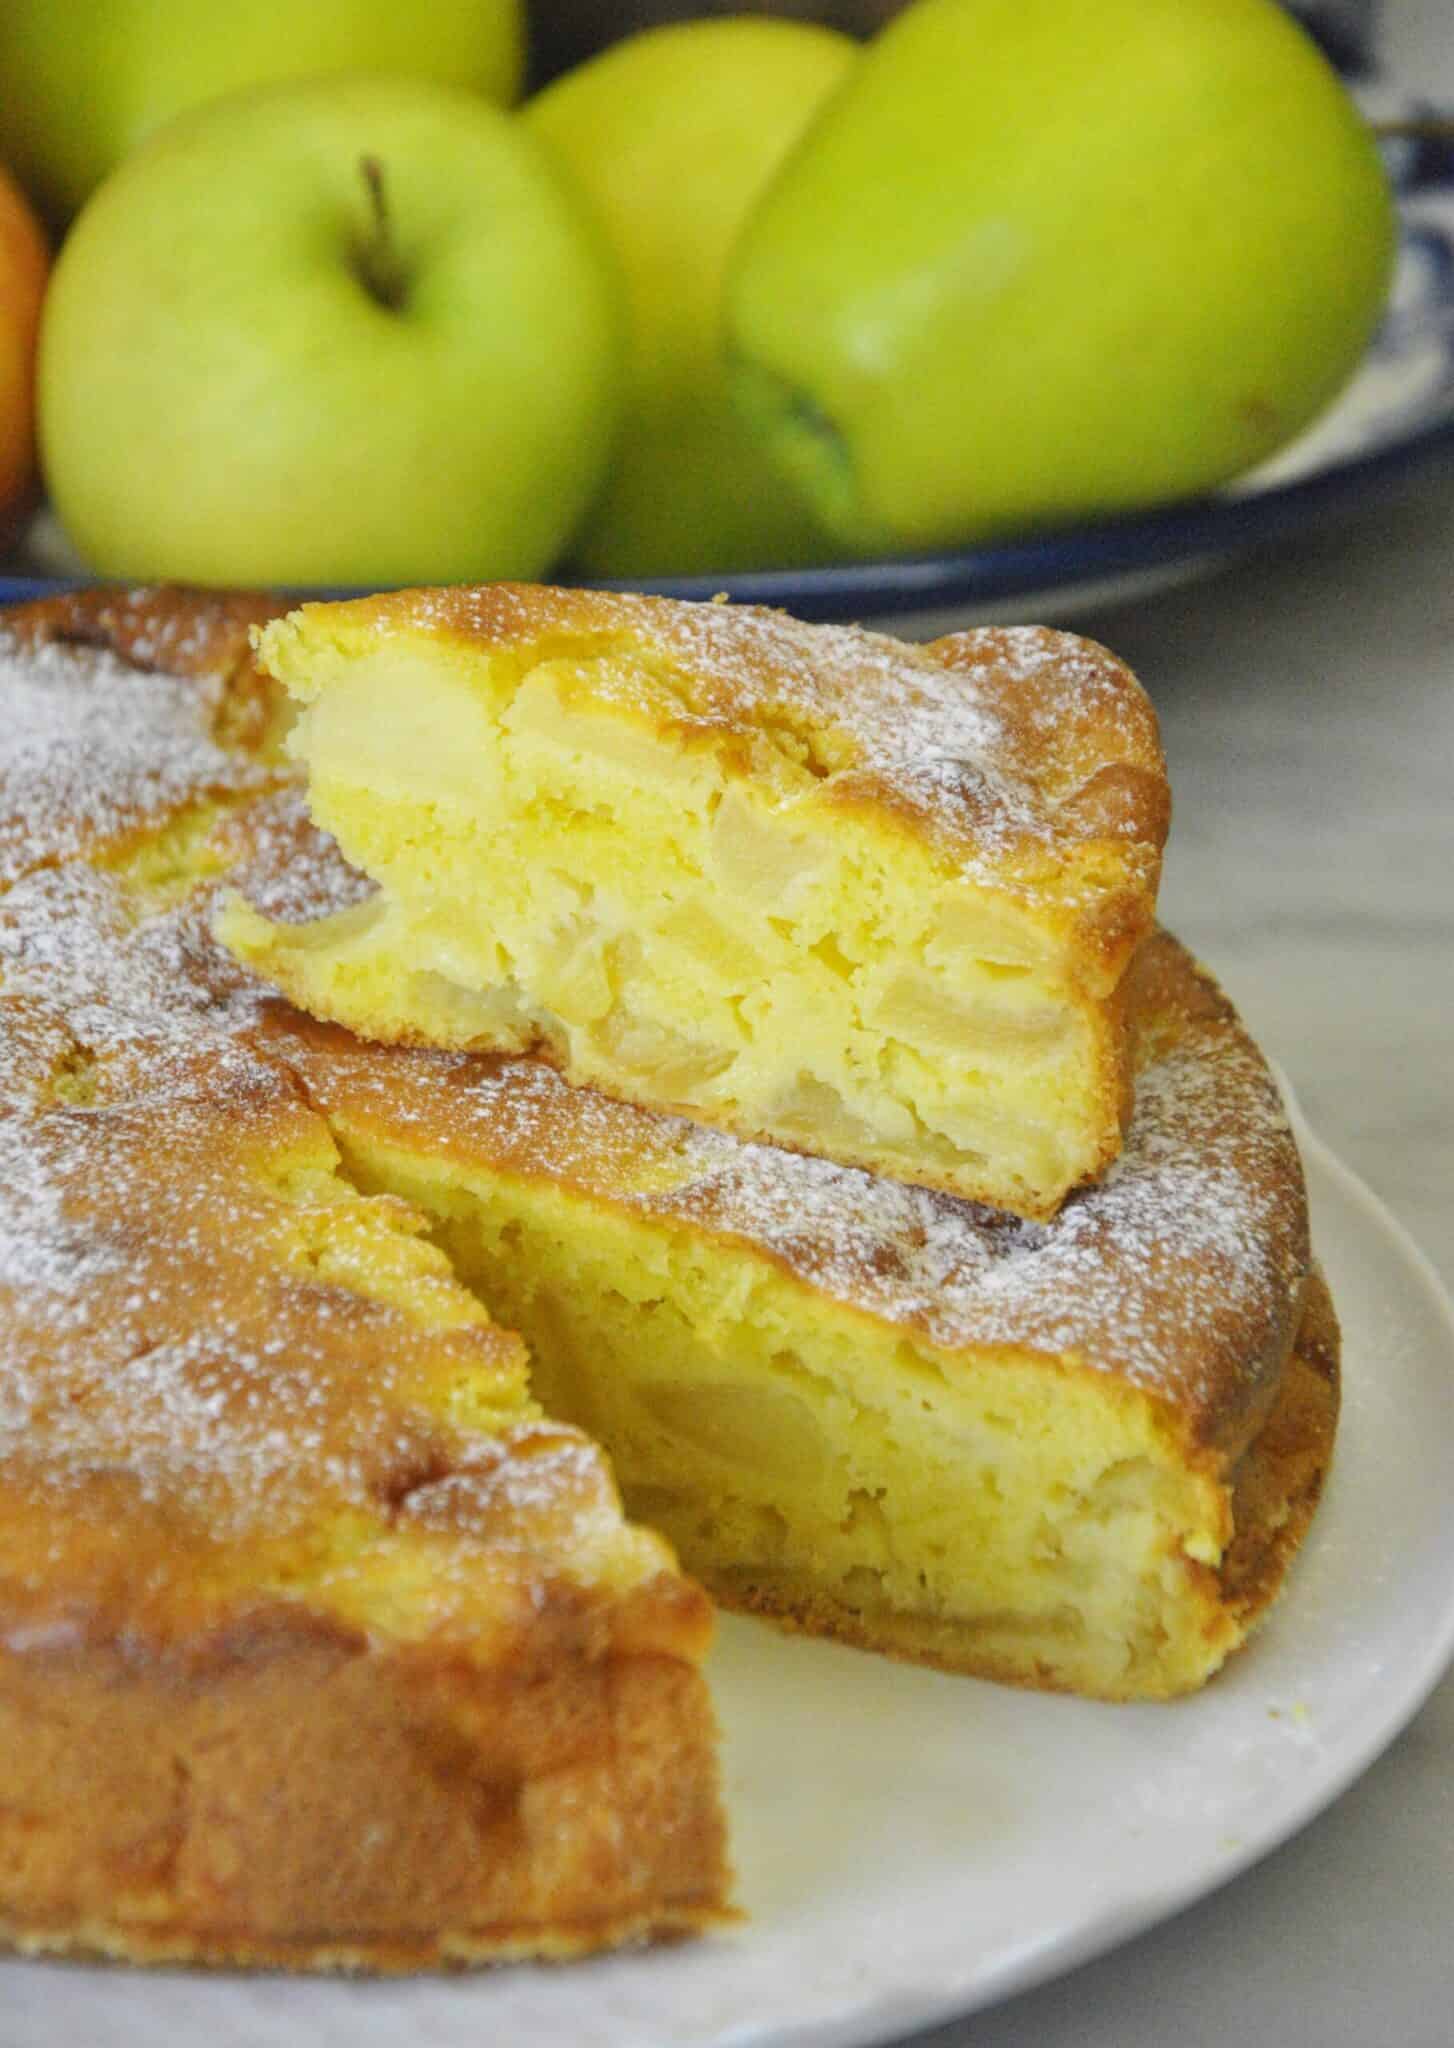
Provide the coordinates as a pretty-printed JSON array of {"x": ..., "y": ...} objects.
[
  {"x": 94, "y": 750},
  {"x": 287, "y": 868},
  {"x": 1188, "y": 1255},
  {"x": 150, "y": 992},
  {"x": 203, "y": 1343},
  {"x": 48, "y": 1261},
  {"x": 163, "y": 1317}
]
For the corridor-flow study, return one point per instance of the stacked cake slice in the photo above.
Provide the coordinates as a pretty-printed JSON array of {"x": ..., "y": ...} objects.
[
  {"x": 807, "y": 884},
  {"x": 706, "y": 978}
]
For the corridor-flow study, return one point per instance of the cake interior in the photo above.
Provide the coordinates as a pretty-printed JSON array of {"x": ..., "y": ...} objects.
[
  {"x": 569, "y": 858},
  {"x": 997, "y": 1516}
]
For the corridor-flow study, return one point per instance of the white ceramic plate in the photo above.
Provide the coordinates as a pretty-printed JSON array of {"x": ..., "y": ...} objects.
[{"x": 913, "y": 1846}]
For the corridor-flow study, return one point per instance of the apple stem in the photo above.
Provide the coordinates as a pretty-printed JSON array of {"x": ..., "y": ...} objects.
[{"x": 378, "y": 257}]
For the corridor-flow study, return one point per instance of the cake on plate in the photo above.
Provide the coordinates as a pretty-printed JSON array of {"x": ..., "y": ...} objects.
[{"x": 324, "y": 1641}]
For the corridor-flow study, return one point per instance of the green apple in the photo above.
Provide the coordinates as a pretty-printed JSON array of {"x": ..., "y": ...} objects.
[
  {"x": 357, "y": 330},
  {"x": 671, "y": 136},
  {"x": 83, "y": 81},
  {"x": 1043, "y": 259}
]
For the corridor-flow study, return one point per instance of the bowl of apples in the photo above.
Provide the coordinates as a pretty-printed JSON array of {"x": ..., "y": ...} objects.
[{"x": 982, "y": 310}]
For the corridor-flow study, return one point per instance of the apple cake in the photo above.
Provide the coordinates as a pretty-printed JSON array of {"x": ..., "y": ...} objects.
[
  {"x": 807, "y": 884},
  {"x": 323, "y": 1639}
]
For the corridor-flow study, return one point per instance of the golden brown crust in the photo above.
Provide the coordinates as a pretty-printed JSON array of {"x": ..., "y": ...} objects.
[
  {"x": 1280, "y": 1478},
  {"x": 1174, "y": 1003},
  {"x": 171, "y": 630},
  {"x": 1076, "y": 721},
  {"x": 301, "y": 1799},
  {"x": 1086, "y": 729}
]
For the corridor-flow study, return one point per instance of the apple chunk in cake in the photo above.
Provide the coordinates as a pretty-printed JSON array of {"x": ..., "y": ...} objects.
[{"x": 808, "y": 884}]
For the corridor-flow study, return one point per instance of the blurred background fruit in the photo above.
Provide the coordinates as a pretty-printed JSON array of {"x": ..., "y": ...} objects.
[
  {"x": 82, "y": 82},
  {"x": 353, "y": 330},
  {"x": 1039, "y": 261},
  {"x": 566, "y": 32},
  {"x": 23, "y": 262},
  {"x": 1066, "y": 261},
  {"x": 672, "y": 136}
]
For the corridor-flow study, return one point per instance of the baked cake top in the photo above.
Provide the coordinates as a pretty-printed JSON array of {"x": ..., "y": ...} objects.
[{"x": 1015, "y": 749}]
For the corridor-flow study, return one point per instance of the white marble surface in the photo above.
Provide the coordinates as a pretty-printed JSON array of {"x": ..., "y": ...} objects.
[{"x": 1307, "y": 702}]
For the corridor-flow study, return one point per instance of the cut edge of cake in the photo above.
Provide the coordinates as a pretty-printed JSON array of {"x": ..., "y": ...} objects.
[{"x": 1049, "y": 1454}]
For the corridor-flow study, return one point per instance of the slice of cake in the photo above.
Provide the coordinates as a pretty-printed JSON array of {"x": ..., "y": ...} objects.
[
  {"x": 807, "y": 884},
  {"x": 320, "y": 1646}
]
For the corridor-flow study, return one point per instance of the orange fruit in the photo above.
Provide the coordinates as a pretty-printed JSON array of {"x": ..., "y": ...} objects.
[{"x": 24, "y": 263}]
